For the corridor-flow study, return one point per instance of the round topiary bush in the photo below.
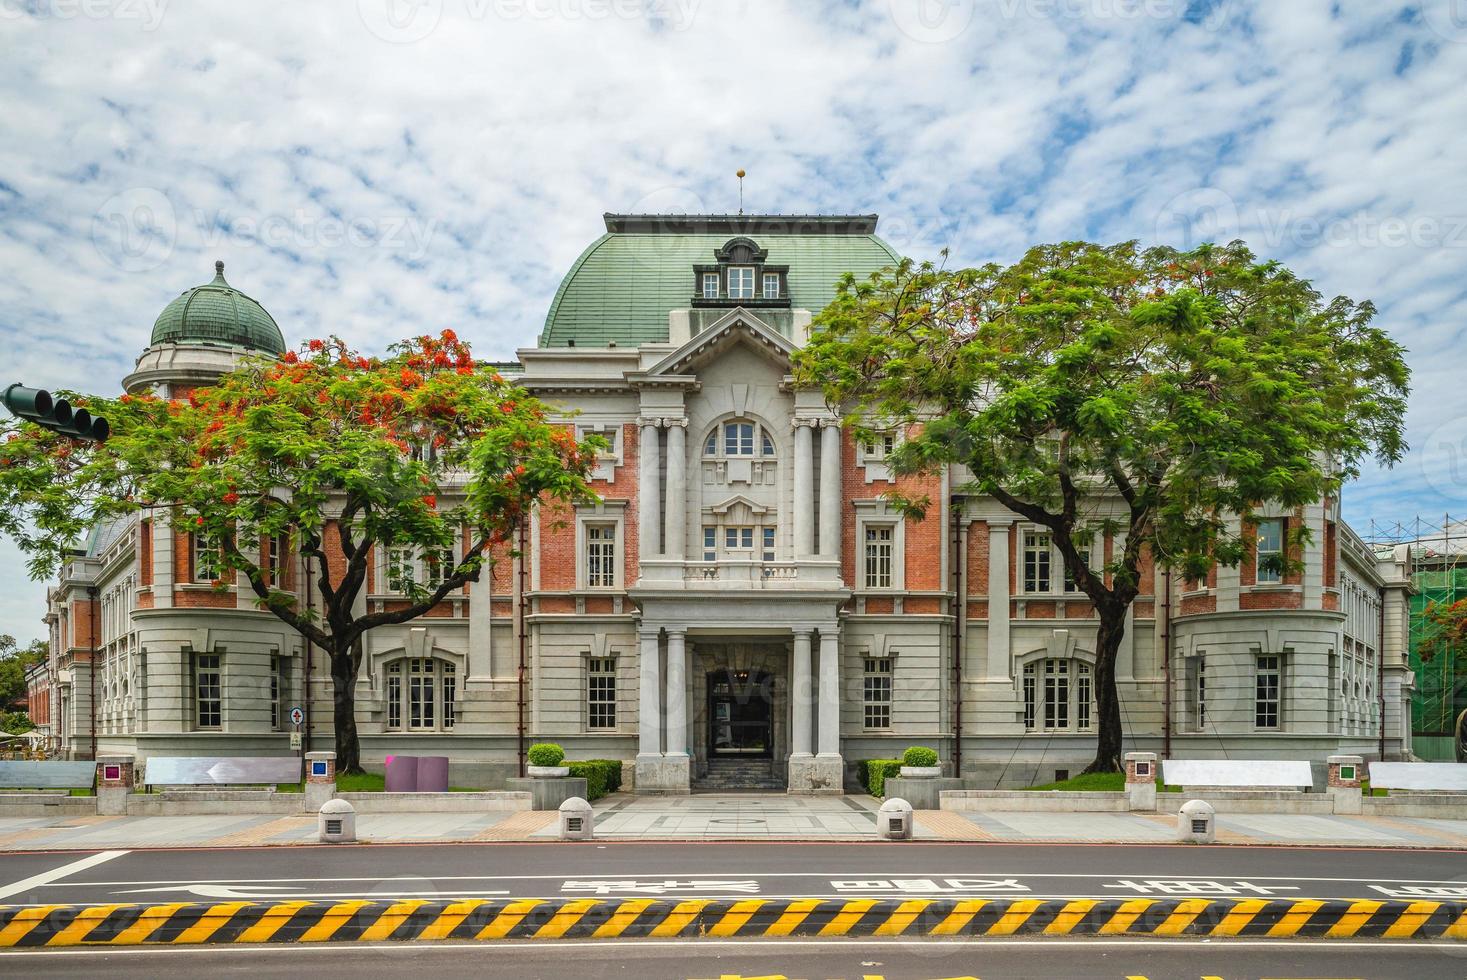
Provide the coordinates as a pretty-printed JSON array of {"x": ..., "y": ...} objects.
[
  {"x": 546, "y": 754},
  {"x": 919, "y": 756}
]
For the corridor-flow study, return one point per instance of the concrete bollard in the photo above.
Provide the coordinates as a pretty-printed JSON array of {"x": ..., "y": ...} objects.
[
  {"x": 337, "y": 822},
  {"x": 114, "y": 784},
  {"x": 577, "y": 820},
  {"x": 894, "y": 820},
  {"x": 1141, "y": 780},
  {"x": 1345, "y": 775},
  {"x": 320, "y": 779},
  {"x": 1196, "y": 823}
]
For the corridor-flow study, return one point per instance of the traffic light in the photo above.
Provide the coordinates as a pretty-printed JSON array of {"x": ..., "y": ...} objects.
[{"x": 36, "y": 405}]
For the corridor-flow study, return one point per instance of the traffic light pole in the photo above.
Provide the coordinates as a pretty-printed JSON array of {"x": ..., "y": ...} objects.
[{"x": 57, "y": 414}]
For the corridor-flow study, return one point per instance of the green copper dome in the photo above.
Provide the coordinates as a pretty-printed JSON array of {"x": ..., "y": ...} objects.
[{"x": 217, "y": 313}]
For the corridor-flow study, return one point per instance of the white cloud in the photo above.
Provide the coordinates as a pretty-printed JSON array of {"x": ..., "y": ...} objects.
[{"x": 473, "y": 165}]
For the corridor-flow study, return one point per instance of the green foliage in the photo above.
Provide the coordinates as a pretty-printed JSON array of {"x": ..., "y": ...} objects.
[
  {"x": 1099, "y": 389},
  {"x": 545, "y": 754},
  {"x": 873, "y": 774},
  {"x": 1089, "y": 782},
  {"x": 602, "y": 776},
  {"x": 919, "y": 756},
  {"x": 15, "y": 722},
  {"x": 1444, "y": 629},
  {"x": 14, "y": 660}
]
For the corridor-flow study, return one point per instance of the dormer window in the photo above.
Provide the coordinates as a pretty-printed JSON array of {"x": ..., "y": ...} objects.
[
  {"x": 710, "y": 285},
  {"x": 771, "y": 285},
  {"x": 741, "y": 282},
  {"x": 740, "y": 276}
]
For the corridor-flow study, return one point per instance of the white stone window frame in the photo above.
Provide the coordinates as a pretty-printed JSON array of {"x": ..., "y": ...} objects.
[
  {"x": 710, "y": 279},
  {"x": 879, "y": 512},
  {"x": 765, "y": 291},
  {"x": 199, "y": 546},
  {"x": 195, "y": 702},
  {"x": 417, "y": 564},
  {"x": 441, "y": 679},
  {"x": 1057, "y": 586},
  {"x": 1038, "y": 661},
  {"x": 589, "y": 659},
  {"x": 1276, "y": 578},
  {"x": 1279, "y": 672},
  {"x": 890, "y": 659},
  {"x": 871, "y": 457},
  {"x": 607, "y": 460},
  {"x": 606, "y": 512}
]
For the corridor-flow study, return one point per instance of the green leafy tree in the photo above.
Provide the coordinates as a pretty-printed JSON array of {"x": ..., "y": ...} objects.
[
  {"x": 14, "y": 660},
  {"x": 1094, "y": 389},
  {"x": 1445, "y": 629},
  {"x": 339, "y": 454}
]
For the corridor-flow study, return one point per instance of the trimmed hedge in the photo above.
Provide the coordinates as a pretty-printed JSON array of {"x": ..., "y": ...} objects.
[
  {"x": 545, "y": 754},
  {"x": 873, "y": 774},
  {"x": 602, "y": 776},
  {"x": 919, "y": 755}
]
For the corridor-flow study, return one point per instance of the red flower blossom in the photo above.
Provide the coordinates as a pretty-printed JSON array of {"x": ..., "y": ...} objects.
[
  {"x": 289, "y": 357},
  {"x": 430, "y": 499},
  {"x": 231, "y": 498},
  {"x": 316, "y": 344},
  {"x": 198, "y": 522}
]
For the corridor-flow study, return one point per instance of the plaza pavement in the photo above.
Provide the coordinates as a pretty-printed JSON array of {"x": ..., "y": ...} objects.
[{"x": 723, "y": 817}]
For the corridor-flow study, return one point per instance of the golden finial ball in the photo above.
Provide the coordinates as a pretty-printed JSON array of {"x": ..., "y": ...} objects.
[{"x": 740, "y": 174}]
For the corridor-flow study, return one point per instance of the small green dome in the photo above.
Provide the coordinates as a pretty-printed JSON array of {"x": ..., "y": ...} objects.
[{"x": 217, "y": 313}]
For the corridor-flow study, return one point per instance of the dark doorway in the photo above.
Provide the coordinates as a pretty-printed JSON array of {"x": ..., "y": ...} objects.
[{"x": 740, "y": 720}]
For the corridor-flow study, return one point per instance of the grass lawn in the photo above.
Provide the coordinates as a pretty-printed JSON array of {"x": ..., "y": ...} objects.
[
  {"x": 366, "y": 782},
  {"x": 1097, "y": 782}
]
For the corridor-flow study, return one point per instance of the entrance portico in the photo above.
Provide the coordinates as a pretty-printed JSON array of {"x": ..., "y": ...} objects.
[{"x": 723, "y": 690}]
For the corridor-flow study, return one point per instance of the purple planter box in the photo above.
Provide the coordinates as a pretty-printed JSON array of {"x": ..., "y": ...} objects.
[{"x": 417, "y": 774}]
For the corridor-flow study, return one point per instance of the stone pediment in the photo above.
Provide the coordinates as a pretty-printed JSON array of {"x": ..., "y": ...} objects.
[
  {"x": 737, "y": 326},
  {"x": 738, "y": 500}
]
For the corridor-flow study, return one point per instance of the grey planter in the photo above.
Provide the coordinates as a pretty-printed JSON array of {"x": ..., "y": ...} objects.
[{"x": 547, "y": 772}]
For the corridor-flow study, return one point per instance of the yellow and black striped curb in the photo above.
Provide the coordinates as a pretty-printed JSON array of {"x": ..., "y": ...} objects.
[{"x": 474, "y": 919}]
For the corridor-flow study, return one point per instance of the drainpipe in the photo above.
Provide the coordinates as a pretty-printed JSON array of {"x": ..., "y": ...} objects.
[
  {"x": 960, "y": 609},
  {"x": 305, "y": 566},
  {"x": 1166, "y": 663},
  {"x": 521, "y": 611},
  {"x": 92, "y": 664},
  {"x": 1380, "y": 675}
]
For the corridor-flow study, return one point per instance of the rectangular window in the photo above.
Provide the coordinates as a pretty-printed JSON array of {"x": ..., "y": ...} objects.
[
  {"x": 710, "y": 544},
  {"x": 438, "y": 565},
  {"x": 206, "y": 559},
  {"x": 876, "y": 693},
  {"x": 450, "y": 693},
  {"x": 880, "y": 447},
  {"x": 208, "y": 691},
  {"x": 1056, "y": 694},
  {"x": 1083, "y": 696},
  {"x": 1036, "y": 562},
  {"x": 738, "y": 538},
  {"x": 1266, "y": 692},
  {"x": 600, "y": 556},
  {"x": 1200, "y": 694},
  {"x": 279, "y": 550},
  {"x": 1031, "y": 697},
  {"x": 710, "y": 285},
  {"x": 420, "y": 693},
  {"x": 1270, "y": 555},
  {"x": 769, "y": 544},
  {"x": 771, "y": 285},
  {"x": 601, "y": 692},
  {"x": 1070, "y": 584},
  {"x": 740, "y": 282},
  {"x": 738, "y": 439},
  {"x": 399, "y": 570},
  {"x": 878, "y": 557},
  {"x": 277, "y": 693},
  {"x": 394, "y": 695}
]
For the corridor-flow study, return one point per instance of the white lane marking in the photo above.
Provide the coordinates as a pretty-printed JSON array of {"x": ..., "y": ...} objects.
[
  {"x": 49, "y": 877},
  {"x": 1395, "y": 947},
  {"x": 225, "y": 891}
]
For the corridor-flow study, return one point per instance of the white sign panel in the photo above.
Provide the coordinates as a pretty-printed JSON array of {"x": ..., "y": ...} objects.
[
  {"x": 1236, "y": 773},
  {"x": 1418, "y": 775}
]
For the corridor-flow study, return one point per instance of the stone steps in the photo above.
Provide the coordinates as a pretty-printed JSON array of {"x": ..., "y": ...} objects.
[{"x": 739, "y": 775}]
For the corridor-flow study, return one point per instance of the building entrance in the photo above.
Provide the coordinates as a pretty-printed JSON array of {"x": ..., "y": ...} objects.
[{"x": 740, "y": 714}]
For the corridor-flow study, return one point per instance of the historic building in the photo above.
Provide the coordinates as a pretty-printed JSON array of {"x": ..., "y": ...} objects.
[{"x": 742, "y": 607}]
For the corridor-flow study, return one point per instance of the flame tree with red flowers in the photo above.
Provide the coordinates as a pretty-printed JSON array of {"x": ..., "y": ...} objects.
[{"x": 338, "y": 453}]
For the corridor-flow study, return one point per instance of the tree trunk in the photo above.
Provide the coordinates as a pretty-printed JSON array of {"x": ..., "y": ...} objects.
[
  {"x": 1107, "y": 701},
  {"x": 344, "y": 715}
]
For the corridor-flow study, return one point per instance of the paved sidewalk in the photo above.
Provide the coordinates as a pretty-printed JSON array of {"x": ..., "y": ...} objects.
[{"x": 724, "y": 817}]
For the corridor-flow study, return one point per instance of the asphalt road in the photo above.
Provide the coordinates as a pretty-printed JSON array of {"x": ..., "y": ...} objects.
[
  {"x": 732, "y": 869},
  {"x": 810, "y": 959}
]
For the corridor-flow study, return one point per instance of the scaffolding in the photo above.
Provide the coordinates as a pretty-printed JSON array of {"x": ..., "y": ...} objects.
[{"x": 1439, "y": 573}]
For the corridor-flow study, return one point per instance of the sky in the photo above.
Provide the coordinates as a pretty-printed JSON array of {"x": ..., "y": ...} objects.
[{"x": 380, "y": 168}]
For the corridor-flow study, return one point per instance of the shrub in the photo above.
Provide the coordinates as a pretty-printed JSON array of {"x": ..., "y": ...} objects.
[
  {"x": 545, "y": 754},
  {"x": 602, "y": 776},
  {"x": 875, "y": 772},
  {"x": 919, "y": 755}
]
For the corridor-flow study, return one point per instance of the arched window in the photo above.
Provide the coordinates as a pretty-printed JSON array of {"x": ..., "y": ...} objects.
[
  {"x": 422, "y": 694},
  {"x": 1059, "y": 695},
  {"x": 738, "y": 438}
]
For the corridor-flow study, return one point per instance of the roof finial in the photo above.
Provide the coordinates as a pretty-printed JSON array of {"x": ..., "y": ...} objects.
[
  {"x": 219, "y": 268},
  {"x": 740, "y": 175}
]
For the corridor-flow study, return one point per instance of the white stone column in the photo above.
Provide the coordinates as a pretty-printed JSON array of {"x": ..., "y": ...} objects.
[
  {"x": 649, "y": 509},
  {"x": 829, "y": 744},
  {"x": 677, "y": 694},
  {"x": 802, "y": 696},
  {"x": 830, "y": 491},
  {"x": 802, "y": 510},
  {"x": 674, "y": 540},
  {"x": 649, "y": 705},
  {"x": 998, "y": 601}
]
